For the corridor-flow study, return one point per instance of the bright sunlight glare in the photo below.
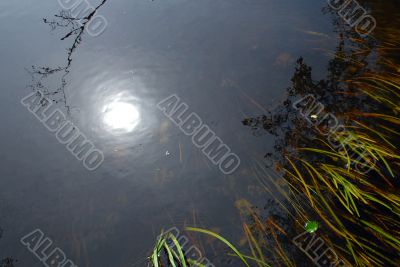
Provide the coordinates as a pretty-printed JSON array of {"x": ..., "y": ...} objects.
[{"x": 121, "y": 116}]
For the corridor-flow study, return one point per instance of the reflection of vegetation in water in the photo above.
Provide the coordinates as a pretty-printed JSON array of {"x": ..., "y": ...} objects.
[
  {"x": 76, "y": 27},
  {"x": 168, "y": 251},
  {"x": 359, "y": 211},
  {"x": 6, "y": 262},
  {"x": 267, "y": 242}
]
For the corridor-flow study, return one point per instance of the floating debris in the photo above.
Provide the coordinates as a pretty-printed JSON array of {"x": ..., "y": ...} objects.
[{"x": 311, "y": 226}]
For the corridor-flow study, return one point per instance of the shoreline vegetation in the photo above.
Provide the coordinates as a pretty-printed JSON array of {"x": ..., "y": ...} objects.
[{"x": 358, "y": 211}]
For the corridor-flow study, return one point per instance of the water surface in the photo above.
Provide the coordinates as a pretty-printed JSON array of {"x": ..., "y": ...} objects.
[{"x": 227, "y": 59}]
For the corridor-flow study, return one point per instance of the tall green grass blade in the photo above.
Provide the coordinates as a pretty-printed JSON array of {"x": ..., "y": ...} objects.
[{"x": 226, "y": 242}]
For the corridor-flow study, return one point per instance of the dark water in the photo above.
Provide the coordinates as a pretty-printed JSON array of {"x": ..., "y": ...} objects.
[{"x": 227, "y": 59}]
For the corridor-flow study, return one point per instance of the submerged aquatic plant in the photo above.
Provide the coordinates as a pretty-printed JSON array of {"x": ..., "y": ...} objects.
[
  {"x": 359, "y": 207},
  {"x": 358, "y": 211}
]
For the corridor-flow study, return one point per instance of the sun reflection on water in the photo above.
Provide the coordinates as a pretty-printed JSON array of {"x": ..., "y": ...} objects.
[{"x": 120, "y": 116}]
